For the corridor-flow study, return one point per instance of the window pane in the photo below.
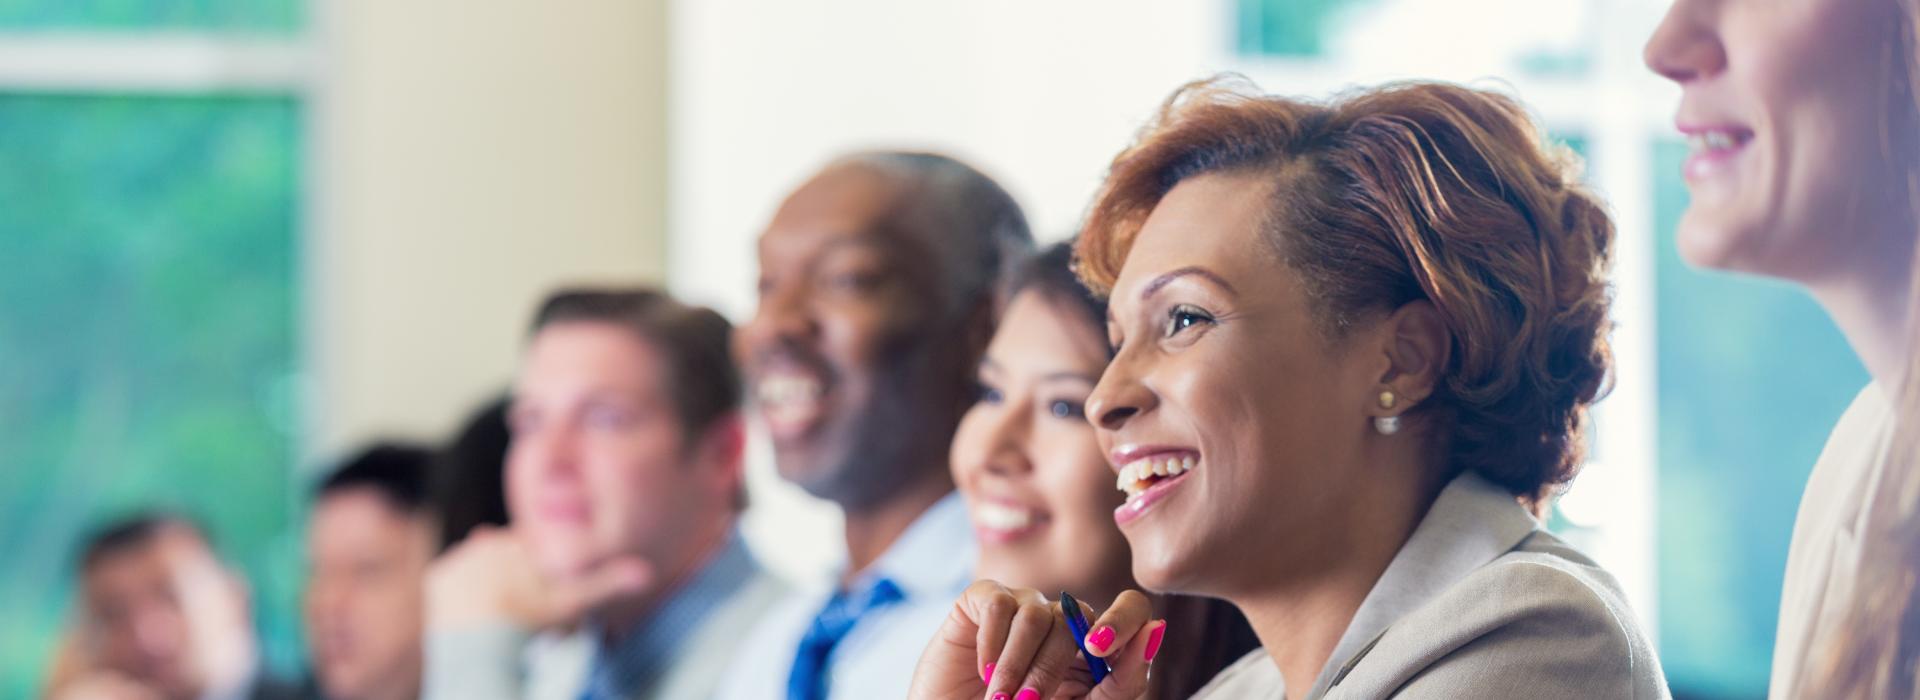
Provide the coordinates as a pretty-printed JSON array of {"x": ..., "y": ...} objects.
[
  {"x": 1297, "y": 28},
  {"x": 269, "y": 16},
  {"x": 1752, "y": 377},
  {"x": 147, "y": 263}
]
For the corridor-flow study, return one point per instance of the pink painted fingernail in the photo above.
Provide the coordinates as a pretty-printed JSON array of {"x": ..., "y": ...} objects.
[
  {"x": 1153, "y": 641},
  {"x": 1101, "y": 639},
  {"x": 1027, "y": 694},
  {"x": 999, "y": 696},
  {"x": 986, "y": 674}
]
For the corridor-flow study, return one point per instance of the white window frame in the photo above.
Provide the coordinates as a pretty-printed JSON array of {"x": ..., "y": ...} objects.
[{"x": 160, "y": 62}]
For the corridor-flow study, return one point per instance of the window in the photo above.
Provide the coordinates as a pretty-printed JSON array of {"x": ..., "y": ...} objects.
[
  {"x": 1296, "y": 28},
  {"x": 149, "y": 263}
]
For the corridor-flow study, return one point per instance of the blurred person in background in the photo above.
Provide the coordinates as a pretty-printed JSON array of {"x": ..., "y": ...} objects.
[
  {"x": 369, "y": 539},
  {"x": 875, "y": 301},
  {"x": 468, "y": 478},
  {"x": 621, "y": 573},
  {"x": 1037, "y": 486},
  {"x": 160, "y": 617},
  {"x": 1805, "y": 167}
]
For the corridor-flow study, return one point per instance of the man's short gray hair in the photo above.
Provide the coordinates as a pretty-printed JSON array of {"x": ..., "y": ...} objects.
[{"x": 974, "y": 226}]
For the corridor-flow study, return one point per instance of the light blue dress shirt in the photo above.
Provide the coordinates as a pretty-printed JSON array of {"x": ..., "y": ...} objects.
[
  {"x": 931, "y": 563},
  {"x": 632, "y": 666},
  {"x": 676, "y": 653}
]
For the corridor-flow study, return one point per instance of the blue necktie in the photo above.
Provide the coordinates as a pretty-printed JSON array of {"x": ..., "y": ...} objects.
[
  {"x": 808, "y": 680},
  {"x": 602, "y": 681}
]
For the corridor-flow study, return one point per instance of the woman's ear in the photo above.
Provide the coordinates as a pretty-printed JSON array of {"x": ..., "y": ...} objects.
[{"x": 1417, "y": 347}]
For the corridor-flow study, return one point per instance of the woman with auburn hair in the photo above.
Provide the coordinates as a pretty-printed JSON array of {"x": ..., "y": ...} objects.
[
  {"x": 1348, "y": 337},
  {"x": 1806, "y": 168}
]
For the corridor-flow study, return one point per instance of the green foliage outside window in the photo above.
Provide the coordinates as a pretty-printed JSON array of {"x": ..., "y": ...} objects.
[
  {"x": 148, "y": 295},
  {"x": 248, "y": 16}
]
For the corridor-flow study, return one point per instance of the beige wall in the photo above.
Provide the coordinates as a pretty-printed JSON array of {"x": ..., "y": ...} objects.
[
  {"x": 1040, "y": 95},
  {"x": 468, "y": 158}
]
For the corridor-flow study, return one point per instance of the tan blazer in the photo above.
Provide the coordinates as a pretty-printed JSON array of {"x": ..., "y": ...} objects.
[{"x": 1479, "y": 603}]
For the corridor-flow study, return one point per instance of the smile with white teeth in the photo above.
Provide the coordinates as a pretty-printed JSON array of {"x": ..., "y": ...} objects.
[
  {"x": 1707, "y": 141},
  {"x": 999, "y": 516},
  {"x": 783, "y": 389},
  {"x": 1136, "y": 476},
  {"x": 789, "y": 401}
]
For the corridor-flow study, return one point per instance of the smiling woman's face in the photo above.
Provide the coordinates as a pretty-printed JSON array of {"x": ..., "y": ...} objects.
[
  {"x": 1221, "y": 366},
  {"x": 1026, "y": 460},
  {"x": 1787, "y": 105}
]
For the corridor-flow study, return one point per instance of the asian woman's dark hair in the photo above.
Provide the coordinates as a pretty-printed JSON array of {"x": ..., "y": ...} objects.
[{"x": 1203, "y": 635}]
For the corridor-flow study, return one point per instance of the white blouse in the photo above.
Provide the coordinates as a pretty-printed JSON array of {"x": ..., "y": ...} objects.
[{"x": 1825, "y": 555}]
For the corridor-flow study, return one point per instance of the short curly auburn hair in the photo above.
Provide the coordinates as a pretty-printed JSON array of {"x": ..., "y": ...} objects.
[{"x": 1400, "y": 193}]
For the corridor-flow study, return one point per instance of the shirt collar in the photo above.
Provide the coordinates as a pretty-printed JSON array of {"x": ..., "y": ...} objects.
[
  {"x": 933, "y": 558},
  {"x": 633, "y": 662},
  {"x": 1471, "y": 523},
  {"x": 240, "y": 686}
]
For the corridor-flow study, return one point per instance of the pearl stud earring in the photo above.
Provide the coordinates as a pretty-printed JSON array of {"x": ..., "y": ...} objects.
[{"x": 1387, "y": 425}]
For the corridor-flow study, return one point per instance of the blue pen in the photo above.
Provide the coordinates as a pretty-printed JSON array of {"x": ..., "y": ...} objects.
[{"x": 1077, "y": 621}]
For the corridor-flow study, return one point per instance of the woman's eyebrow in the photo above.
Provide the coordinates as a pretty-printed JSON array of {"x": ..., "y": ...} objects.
[
  {"x": 1189, "y": 271},
  {"x": 1068, "y": 375}
]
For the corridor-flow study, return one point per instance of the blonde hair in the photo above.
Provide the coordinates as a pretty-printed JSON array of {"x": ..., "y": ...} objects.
[{"x": 1875, "y": 651}]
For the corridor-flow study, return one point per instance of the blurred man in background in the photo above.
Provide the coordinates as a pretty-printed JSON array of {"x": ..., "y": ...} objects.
[
  {"x": 876, "y": 280},
  {"x": 621, "y": 574},
  {"x": 159, "y": 618},
  {"x": 370, "y": 539}
]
